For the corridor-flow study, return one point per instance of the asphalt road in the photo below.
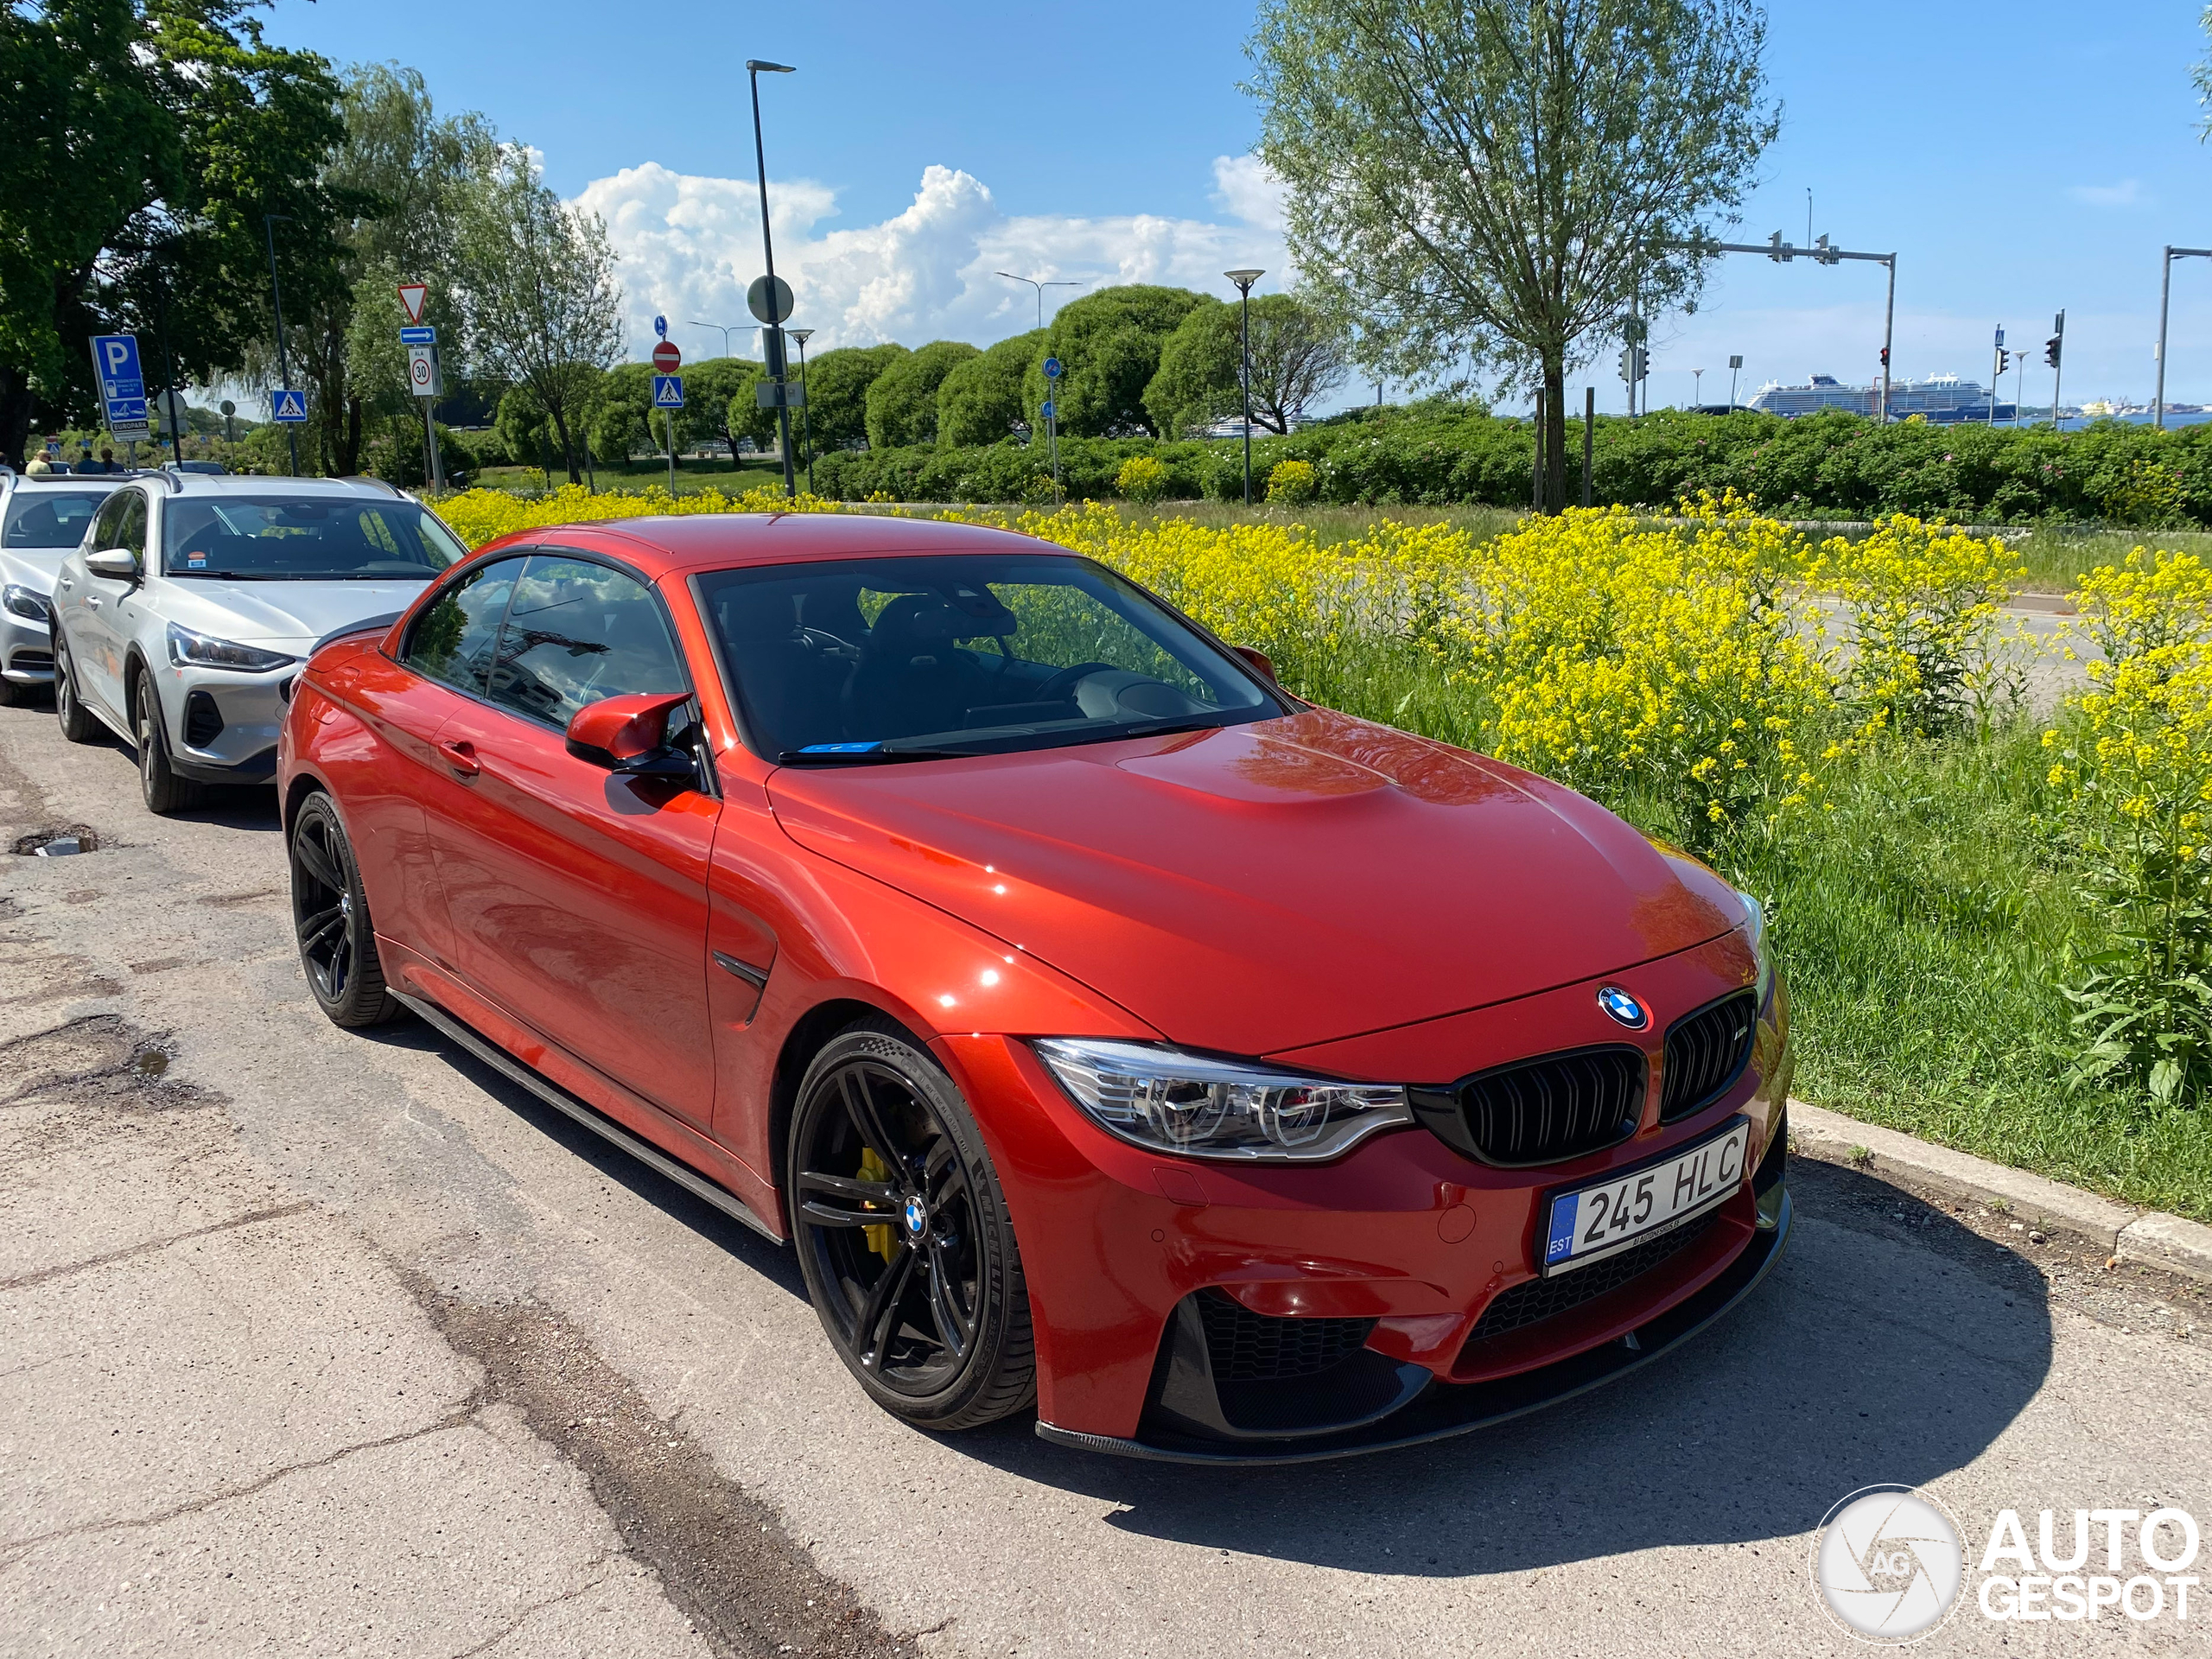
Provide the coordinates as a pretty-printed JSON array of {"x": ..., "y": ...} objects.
[{"x": 316, "y": 1342}]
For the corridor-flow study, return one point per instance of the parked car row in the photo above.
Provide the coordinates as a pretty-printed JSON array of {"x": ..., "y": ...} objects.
[{"x": 1113, "y": 1033}]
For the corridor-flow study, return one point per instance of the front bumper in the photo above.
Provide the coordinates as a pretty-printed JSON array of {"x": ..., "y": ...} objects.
[
  {"x": 1138, "y": 1263},
  {"x": 222, "y": 725}
]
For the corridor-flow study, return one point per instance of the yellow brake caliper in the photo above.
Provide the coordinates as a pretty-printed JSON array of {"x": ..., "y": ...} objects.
[{"x": 878, "y": 1238}]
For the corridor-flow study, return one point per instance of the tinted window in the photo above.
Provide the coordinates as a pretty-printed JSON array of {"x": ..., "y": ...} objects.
[
  {"x": 51, "y": 518},
  {"x": 982, "y": 653},
  {"x": 131, "y": 535},
  {"x": 576, "y": 633},
  {"x": 108, "y": 527},
  {"x": 304, "y": 539},
  {"x": 452, "y": 640}
]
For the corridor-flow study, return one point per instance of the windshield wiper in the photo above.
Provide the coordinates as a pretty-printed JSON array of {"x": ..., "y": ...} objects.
[{"x": 840, "y": 757}]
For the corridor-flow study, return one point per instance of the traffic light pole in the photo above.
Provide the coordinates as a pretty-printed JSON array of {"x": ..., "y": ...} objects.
[
  {"x": 2165, "y": 289},
  {"x": 1782, "y": 253},
  {"x": 2058, "y": 365}
]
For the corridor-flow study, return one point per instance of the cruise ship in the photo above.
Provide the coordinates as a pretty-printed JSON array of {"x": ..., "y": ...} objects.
[{"x": 1943, "y": 399}]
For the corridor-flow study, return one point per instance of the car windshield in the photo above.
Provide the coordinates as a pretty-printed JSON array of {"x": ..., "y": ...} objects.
[
  {"x": 303, "y": 538},
  {"x": 51, "y": 518},
  {"x": 856, "y": 661}
]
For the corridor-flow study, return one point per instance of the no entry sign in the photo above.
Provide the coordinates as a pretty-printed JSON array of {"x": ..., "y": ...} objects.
[{"x": 666, "y": 357}]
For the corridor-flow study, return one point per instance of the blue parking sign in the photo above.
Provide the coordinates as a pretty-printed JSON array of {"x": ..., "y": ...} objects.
[
  {"x": 668, "y": 391},
  {"x": 123, "y": 385}
]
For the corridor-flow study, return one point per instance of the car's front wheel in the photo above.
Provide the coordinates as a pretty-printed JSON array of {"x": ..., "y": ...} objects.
[
  {"x": 164, "y": 790},
  {"x": 330, "y": 919},
  {"x": 904, "y": 1236},
  {"x": 77, "y": 723}
]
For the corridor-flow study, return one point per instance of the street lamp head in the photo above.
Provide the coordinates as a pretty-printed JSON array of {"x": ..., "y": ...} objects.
[
  {"x": 801, "y": 335},
  {"x": 762, "y": 66},
  {"x": 1244, "y": 279}
]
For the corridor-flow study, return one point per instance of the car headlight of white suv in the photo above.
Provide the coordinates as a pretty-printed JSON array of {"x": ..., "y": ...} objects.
[
  {"x": 188, "y": 649},
  {"x": 26, "y": 602}
]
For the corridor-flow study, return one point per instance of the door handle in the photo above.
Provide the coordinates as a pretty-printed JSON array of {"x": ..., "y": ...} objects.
[
  {"x": 92, "y": 601},
  {"x": 460, "y": 756},
  {"x": 67, "y": 583}
]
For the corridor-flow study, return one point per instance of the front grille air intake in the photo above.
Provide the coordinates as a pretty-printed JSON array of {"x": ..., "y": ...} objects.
[
  {"x": 1542, "y": 1110},
  {"x": 1249, "y": 1347},
  {"x": 1706, "y": 1052},
  {"x": 1534, "y": 1301}
]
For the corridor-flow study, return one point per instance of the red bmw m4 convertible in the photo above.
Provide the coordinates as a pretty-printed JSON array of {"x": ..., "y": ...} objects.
[{"x": 1109, "y": 1030}]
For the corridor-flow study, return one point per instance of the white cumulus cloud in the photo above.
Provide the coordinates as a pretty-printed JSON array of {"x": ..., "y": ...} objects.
[
  {"x": 2128, "y": 193},
  {"x": 690, "y": 245}
]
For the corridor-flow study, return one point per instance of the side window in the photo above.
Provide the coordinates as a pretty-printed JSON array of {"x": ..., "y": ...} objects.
[
  {"x": 576, "y": 633},
  {"x": 133, "y": 533},
  {"x": 107, "y": 529},
  {"x": 452, "y": 640}
]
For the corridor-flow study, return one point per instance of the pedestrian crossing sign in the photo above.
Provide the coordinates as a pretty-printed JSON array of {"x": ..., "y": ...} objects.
[
  {"x": 668, "y": 391},
  {"x": 288, "y": 404}
]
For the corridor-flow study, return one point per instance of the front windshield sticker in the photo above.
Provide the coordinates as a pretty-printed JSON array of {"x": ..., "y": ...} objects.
[
  {"x": 196, "y": 560},
  {"x": 839, "y": 748}
]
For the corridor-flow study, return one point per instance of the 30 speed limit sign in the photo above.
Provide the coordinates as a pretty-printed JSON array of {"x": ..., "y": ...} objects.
[{"x": 422, "y": 376}]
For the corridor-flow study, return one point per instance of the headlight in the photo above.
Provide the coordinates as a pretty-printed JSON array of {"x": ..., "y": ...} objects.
[
  {"x": 201, "y": 651},
  {"x": 1207, "y": 1108},
  {"x": 26, "y": 602},
  {"x": 1755, "y": 930}
]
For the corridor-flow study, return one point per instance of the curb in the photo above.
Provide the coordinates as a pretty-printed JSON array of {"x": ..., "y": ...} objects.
[{"x": 2149, "y": 1237}]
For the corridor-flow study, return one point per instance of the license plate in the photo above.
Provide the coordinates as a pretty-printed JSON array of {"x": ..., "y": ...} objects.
[{"x": 1609, "y": 1216}]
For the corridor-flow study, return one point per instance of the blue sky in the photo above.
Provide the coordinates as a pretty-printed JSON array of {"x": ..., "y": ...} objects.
[{"x": 2019, "y": 156}]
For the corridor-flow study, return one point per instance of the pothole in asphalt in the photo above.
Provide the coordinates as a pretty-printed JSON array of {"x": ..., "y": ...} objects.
[
  {"x": 103, "y": 1059},
  {"x": 723, "y": 1557},
  {"x": 64, "y": 843}
]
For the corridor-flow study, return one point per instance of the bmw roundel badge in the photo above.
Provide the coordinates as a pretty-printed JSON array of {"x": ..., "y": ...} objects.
[
  {"x": 917, "y": 1216},
  {"x": 1623, "y": 1006}
]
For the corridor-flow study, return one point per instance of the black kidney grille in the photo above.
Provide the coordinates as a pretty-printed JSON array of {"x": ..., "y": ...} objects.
[
  {"x": 1560, "y": 1106},
  {"x": 1706, "y": 1052},
  {"x": 1249, "y": 1347},
  {"x": 1536, "y": 1299}
]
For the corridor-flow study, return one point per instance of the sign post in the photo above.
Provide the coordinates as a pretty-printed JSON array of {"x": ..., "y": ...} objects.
[
  {"x": 123, "y": 386},
  {"x": 1052, "y": 414},
  {"x": 668, "y": 391},
  {"x": 770, "y": 300}
]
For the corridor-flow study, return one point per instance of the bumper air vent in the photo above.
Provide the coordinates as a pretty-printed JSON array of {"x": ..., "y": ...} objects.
[
  {"x": 203, "y": 720},
  {"x": 1534, "y": 1301}
]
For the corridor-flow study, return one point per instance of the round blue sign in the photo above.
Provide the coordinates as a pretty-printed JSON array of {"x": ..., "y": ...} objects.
[
  {"x": 1052, "y": 368},
  {"x": 660, "y": 326}
]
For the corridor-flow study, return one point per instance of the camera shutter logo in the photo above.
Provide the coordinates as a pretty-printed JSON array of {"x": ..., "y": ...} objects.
[{"x": 1887, "y": 1564}]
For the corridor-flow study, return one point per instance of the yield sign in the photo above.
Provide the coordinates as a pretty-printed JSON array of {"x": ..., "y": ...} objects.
[{"x": 411, "y": 296}]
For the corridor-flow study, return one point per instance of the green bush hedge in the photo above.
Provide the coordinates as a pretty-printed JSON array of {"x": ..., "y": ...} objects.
[{"x": 1832, "y": 465}]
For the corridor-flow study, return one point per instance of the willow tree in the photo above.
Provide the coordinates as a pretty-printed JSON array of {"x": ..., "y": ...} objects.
[{"x": 1508, "y": 180}]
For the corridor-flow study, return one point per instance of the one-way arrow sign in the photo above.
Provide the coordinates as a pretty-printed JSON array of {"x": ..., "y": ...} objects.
[{"x": 410, "y": 298}]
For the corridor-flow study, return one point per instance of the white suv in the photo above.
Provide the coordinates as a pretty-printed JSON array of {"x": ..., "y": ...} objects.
[{"x": 182, "y": 617}]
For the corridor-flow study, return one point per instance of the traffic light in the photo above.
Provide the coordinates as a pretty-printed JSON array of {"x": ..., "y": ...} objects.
[
  {"x": 2004, "y": 361},
  {"x": 2051, "y": 349},
  {"x": 1885, "y": 357},
  {"x": 1632, "y": 364}
]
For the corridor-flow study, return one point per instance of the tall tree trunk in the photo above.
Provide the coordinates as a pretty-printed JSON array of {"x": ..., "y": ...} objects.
[
  {"x": 16, "y": 406},
  {"x": 351, "y": 437},
  {"x": 1555, "y": 431},
  {"x": 568, "y": 447}
]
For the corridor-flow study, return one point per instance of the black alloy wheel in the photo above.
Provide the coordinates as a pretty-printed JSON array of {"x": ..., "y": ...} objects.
[
  {"x": 77, "y": 725},
  {"x": 164, "y": 790},
  {"x": 330, "y": 918},
  {"x": 903, "y": 1235}
]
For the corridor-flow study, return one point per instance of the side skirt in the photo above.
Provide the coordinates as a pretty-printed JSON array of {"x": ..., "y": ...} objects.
[{"x": 597, "y": 1121}]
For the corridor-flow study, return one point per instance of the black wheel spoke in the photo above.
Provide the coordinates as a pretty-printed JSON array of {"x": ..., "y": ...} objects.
[
  {"x": 867, "y": 1121},
  {"x": 317, "y": 863},
  {"x": 954, "y": 1326},
  {"x": 879, "y": 1314},
  {"x": 835, "y": 1201},
  {"x": 321, "y": 927}
]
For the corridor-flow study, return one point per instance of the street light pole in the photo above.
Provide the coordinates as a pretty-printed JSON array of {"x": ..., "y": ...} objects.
[
  {"x": 754, "y": 67},
  {"x": 2165, "y": 287},
  {"x": 1244, "y": 279},
  {"x": 1697, "y": 389},
  {"x": 1040, "y": 287},
  {"x": 694, "y": 323},
  {"x": 283, "y": 363},
  {"x": 1735, "y": 362},
  {"x": 805, "y": 419}
]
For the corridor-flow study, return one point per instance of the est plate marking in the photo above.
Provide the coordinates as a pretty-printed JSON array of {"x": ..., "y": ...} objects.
[{"x": 1609, "y": 1216}]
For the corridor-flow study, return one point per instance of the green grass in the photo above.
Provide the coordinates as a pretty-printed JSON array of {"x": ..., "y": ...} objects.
[
  {"x": 2057, "y": 559},
  {"x": 690, "y": 477}
]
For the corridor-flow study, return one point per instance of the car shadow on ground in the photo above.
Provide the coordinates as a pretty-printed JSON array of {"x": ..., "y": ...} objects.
[{"x": 1890, "y": 1343}]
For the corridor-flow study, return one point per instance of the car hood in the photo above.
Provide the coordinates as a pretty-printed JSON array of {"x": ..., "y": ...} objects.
[
  {"x": 284, "y": 615},
  {"x": 1264, "y": 886}
]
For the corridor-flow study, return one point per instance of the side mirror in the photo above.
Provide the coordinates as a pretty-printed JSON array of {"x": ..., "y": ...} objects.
[
  {"x": 1258, "y": 659},
  {"x": 630, "y": 734},
  {"x": 116, "y": 563}
]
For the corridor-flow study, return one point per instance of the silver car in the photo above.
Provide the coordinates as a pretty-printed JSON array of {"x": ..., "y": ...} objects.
[
  {"x": 42, "y": 516},
  {"x": 182, "y": 619}
]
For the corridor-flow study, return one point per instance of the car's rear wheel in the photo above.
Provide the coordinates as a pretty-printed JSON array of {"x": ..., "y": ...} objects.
[
  {"x": 903, "y": 1235},
  {"x": 164, "y": 790},
  {"x": 77, "y": 723},
  {"x": 330, "y": 919}
]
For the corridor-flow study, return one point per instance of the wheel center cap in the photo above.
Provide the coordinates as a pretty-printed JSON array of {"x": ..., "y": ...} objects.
[{"x": 916, "y": 1217}]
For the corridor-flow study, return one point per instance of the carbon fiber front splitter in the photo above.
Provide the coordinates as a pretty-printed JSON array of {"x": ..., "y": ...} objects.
[{"x": 1446, "y": 1409}]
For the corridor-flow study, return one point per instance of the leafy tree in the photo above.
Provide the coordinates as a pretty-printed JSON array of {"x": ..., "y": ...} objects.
[
  {"x": 1298, "y": 356},
  {"x": 836, "y": 392},
  {"x": 144, "y": 140},
  {"x": 539, "y": 297},
  {"x": 1506, "y": 177},
  {"x": 980, "y": 400},
  {"x": 902, "y": 400},
  {"x": 1108, "y": 343}
]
